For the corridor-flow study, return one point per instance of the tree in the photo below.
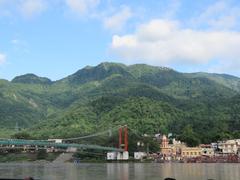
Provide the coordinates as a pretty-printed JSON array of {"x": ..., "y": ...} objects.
[
  {"x": 189, "y": 136},
  {"x": 154, "y": 146},
  {"x": 21, "y": 135}
]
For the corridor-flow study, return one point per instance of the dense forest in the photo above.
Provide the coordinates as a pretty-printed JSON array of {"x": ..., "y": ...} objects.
[{"x": 195, "y": 107}]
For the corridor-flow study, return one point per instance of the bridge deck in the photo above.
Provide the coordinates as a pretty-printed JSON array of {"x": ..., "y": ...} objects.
[{"x": 19, "y": 142}]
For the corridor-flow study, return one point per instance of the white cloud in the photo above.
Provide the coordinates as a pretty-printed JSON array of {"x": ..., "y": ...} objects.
[
  {"x": 164, "y": 42},
  {"x": 118, "y": 20},
  {"x": 220, "y": 15},
  {"x": 30, "y": 8},
  {"x": 2, "y": 58},
  {"x": 82, "y": 7},
  {"x": 26, "y": 8}
]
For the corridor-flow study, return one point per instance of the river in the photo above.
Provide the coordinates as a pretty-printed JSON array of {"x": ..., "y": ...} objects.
[{"x": 120, "y": 171}]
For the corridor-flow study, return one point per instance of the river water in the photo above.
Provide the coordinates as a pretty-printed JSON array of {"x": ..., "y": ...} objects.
[{"x": 121, "y": 171}]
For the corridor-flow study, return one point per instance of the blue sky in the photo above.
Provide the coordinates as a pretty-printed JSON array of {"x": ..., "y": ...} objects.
[{"x": 55, "y": 38}]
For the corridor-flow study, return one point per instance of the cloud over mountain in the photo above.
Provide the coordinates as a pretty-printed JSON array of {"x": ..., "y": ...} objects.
[{"x": 165, "y": 42}]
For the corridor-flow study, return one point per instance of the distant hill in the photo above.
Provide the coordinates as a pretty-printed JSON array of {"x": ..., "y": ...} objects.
[
  {"x": 31, "y": 79},
  {"x": 149, "y": 99}
]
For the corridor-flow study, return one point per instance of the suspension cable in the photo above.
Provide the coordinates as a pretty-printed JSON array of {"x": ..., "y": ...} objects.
[{"x": 91, "y": 135}]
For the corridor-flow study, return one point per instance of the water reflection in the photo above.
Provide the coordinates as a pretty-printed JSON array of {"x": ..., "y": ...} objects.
[{"x": 121, "y": 171}]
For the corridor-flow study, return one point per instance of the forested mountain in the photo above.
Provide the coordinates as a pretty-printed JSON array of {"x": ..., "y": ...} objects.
[{"x": 147, "y": 98}]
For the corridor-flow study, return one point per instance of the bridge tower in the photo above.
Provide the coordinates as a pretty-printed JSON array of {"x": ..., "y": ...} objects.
[
  {"x": 126, "y": 138},
  {"x": 123, "y": 155}
]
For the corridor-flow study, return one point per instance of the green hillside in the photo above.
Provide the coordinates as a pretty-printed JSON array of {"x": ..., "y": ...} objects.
[
  {"x": 31, "y": 79},
  {"x": 148, "y": 99}
]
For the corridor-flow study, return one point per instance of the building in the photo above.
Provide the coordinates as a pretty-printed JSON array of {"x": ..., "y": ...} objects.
[
  {"x": 55, "y": 140},
  {"x": 118, "y": 155},
  {"x": 139, "y": 155},
  {"x": 228, "y": 147},
  {"x": 171, "y": 151},
  {"x": 207, "y": 150},
  {"x": 123, "y": 155},
  {"x": 167, "y": 151},
  {"x": 190, "y": 152},
  {"x": 238, "y": 146},
  {"x": 214, "y": 146},
  {"x": 111, "y": 155}
]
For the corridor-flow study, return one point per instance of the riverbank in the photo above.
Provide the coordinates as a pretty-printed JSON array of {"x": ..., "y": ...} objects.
[
  {"x": 42, "y": 156},
  {"x": 27, "y": 157}
]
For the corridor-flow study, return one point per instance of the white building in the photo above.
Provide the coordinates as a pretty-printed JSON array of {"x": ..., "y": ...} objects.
[
  {"x": 139, "y": 155},
  {"x": 56, "y": 140},
  {"x": 123, "y": 155},
  {"x": 111, "y": 155},
  {"x": 228, "y": 147},
  {"x": 207, "y": 150},
  {"x": 118, "y": 155}
]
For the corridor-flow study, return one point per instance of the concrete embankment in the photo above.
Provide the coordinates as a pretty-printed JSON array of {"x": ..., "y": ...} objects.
[{"x": 64, "y": 157}]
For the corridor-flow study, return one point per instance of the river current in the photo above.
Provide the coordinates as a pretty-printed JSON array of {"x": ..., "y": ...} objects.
[{"x": 120, "y": 171}]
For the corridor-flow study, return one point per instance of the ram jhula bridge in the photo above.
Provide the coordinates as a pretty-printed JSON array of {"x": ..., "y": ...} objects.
[
  {"x": 47, "y": 144},
  {"x": 68, "y": 143}
]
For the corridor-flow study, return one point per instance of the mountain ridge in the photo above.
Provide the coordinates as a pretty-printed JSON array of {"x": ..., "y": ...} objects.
[{"x": 88, "y": 99}]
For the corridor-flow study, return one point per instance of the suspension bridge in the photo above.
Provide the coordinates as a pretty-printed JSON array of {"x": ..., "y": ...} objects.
[{"x": 65, "y": 143}]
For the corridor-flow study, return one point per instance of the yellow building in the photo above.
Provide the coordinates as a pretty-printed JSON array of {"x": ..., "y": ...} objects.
[
  {"x": 189, "y": 152},
  {"x": 178, "y": 150}
]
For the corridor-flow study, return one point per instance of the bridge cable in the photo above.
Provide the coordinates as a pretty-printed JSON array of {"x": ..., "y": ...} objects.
[{"x": 92, "y": 135}]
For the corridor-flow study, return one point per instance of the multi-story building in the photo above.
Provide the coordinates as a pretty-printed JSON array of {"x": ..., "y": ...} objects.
[
  {"x": 189, "y": 152},
  {"x": 228, "y": 147}
]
